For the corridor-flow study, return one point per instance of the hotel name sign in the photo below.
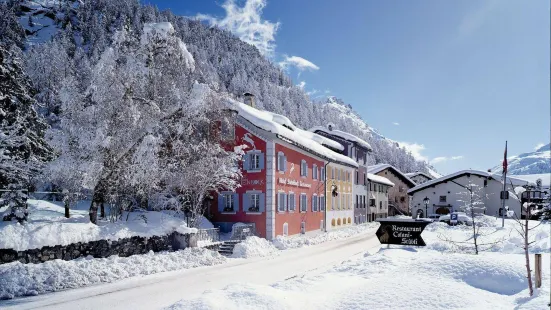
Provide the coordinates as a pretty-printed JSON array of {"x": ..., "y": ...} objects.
[{"x": 293, "y": 182}]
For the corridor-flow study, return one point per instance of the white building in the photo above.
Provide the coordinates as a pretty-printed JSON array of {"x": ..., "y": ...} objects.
[
  {"x": 448, "y": 193},
  {"x": 378, "y": 196}
]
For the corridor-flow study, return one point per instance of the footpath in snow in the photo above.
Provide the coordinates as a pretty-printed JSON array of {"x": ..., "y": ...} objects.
[{"x": 439, "y": 276}]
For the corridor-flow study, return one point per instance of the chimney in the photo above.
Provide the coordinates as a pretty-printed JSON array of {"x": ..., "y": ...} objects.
[
  {"x": 249, "y": 99},
  {"x": 490, "y": 170},
  {"x": 330, "y": 127}
]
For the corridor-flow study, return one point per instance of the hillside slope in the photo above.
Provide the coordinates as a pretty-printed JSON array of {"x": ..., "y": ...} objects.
[
  {"x": 537, "y": 162},
  {"x": 67, "y": 35}
]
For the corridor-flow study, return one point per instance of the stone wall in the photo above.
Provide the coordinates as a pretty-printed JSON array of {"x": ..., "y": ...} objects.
[{"x": 101, "y": 248}]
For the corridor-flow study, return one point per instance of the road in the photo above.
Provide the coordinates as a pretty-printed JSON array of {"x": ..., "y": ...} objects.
[{"x": 163, "y": 289}]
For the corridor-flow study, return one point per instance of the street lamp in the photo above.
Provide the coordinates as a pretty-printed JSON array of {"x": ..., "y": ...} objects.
[{"x": 426, "y": 201}]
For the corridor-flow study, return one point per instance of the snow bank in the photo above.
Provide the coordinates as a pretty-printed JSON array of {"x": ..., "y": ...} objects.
[
  {"x": 48, "y": 227},
  {"x": 254, "y": 247},
  {"x": 406, "y": 278},
  {"x": 292, "y": 242},
  {"x": 18, "y": 279}
]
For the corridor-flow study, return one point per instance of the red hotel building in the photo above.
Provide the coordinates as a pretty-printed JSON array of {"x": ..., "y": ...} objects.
[{"x": 282, "y": 188}]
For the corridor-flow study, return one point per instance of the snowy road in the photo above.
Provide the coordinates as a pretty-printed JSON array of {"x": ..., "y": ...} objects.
[{"x": 164, "y": 289}]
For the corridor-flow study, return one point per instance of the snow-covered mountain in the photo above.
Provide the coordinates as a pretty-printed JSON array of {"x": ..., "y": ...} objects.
[
  {"x": 537, "y": 162},
  {"x": 223, "y": 61}
]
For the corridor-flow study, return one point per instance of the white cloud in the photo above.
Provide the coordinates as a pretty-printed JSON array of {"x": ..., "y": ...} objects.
[
  {"x": 327, "y": 91},
  {"x": 438, "y": 160},
  {"x": 300, "y": 63},
  {"x": 301, "y": 84},
  {"x": 538, "y": 146},
  {"x": 396, "y": 124},
  {"x": 476, "y": 19},
  {"x": 442, "y": 159},
  {"x": 246, "y": 22},
  {"x": 415, "y": 150}
]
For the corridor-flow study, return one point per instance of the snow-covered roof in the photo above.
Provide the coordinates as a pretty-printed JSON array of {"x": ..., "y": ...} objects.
[
  {"x": 379, "y": 179},
  {"x": 343, "y": 135},
  {"x": 380, "y": 167},
  {"x": 461, "y": 173},
  {"x": 283, "y": 127},
  {"x": 413, "y": 174},
  {"x": 515, "y": 180}
]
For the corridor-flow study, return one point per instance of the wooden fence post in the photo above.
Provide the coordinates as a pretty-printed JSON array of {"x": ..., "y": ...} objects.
[{"x": 538, "y": 270}]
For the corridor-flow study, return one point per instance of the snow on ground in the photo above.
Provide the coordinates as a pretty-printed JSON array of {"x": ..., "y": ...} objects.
[
  {"x": 434, "y": 277},
  {"x": 47, "y": 226},
  {"x": 17, "y": 279},
  {"x": 297, "y": 241},
  {"x": 254, "y": 247}
]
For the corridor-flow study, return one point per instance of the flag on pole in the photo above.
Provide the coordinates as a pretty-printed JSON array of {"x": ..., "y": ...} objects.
[{"x": 505, "y": 159}]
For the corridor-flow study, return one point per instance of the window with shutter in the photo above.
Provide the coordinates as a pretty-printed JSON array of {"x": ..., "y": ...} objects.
[
  {"x": 292, "y": 202},
  {"x": 280, "y": 161},
  {"x": 315, "y": 172},
  {"x": 322, "y": 203},
  {"x": 322, "y": 174},
  {"x": 303, "y": 202},
  {"x": 281, "y": 202}
]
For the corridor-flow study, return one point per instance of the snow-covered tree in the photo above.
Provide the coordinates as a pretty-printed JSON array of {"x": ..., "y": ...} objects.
[
  {"x": 23, "y": 150},
  {"x": 140, "y": 103}
]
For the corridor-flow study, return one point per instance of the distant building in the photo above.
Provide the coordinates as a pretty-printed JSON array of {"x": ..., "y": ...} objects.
[
  {"x": 448, "y": 194},
  {"x": 358, "y": 150},
  {"x": 378, "y": 188},
  {"x": 419, "y": 177},
  {"x": 398, "y": 199}
]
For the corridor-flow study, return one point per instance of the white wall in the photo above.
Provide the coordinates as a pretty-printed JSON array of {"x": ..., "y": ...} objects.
[{"x": 453, "y": 197}]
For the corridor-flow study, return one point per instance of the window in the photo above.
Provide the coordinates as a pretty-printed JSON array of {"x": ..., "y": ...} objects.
[
  {"x": 281, "y": 162},
  {"x": 357, "y": 201},
  {"x": 442, "y": 198},
  {"x": 402, "y": 199},
  {"x": 281, "y": 202},
  {"x": 322, "y": 174},
  {"x": 255, "y": 161},
  {"x": 400, "y": 189},
  {"x": 356, "y": 179},
  {"x": 380, "y": 204},
  {"x": 372, "y": 202},
  {"x": 322, "y": 203},
  {"x": 303, "y": 202},
  {"x": 255, "y": 203},
  {"x": 395, "y": 198},
  {"x": 292, "y": 202},
  {"x": 303, "y": 168},
  {"x": 229, "y": 204},
  {"x": 315, "y": 203},
  {"x": 315, "y": 172}
]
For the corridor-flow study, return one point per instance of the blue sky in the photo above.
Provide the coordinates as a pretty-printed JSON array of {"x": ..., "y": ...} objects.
[{"x": 452, "y": 79}]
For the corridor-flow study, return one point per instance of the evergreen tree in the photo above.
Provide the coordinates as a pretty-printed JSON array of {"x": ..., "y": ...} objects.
[{"x": 23, "y": 149}]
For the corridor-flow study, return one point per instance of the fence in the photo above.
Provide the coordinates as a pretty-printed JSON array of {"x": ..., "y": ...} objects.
[
  {"x": 243, "y": 231},
  {"x": 208, "y": 234}
]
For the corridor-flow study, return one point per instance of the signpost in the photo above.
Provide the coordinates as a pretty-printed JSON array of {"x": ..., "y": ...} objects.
[
  {"x": 453, "y": 218},
  {"x": 401, "y": 232}
]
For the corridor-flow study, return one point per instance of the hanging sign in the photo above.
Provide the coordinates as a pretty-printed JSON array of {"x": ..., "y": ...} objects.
[{"x": 401, "y": 232}]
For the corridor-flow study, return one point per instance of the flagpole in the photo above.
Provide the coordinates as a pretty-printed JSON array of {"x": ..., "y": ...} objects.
[{"x": 503, "y": 211}]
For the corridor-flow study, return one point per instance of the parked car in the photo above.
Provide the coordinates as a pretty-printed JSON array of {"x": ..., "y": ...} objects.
[{"x": 462, "y": 218}]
